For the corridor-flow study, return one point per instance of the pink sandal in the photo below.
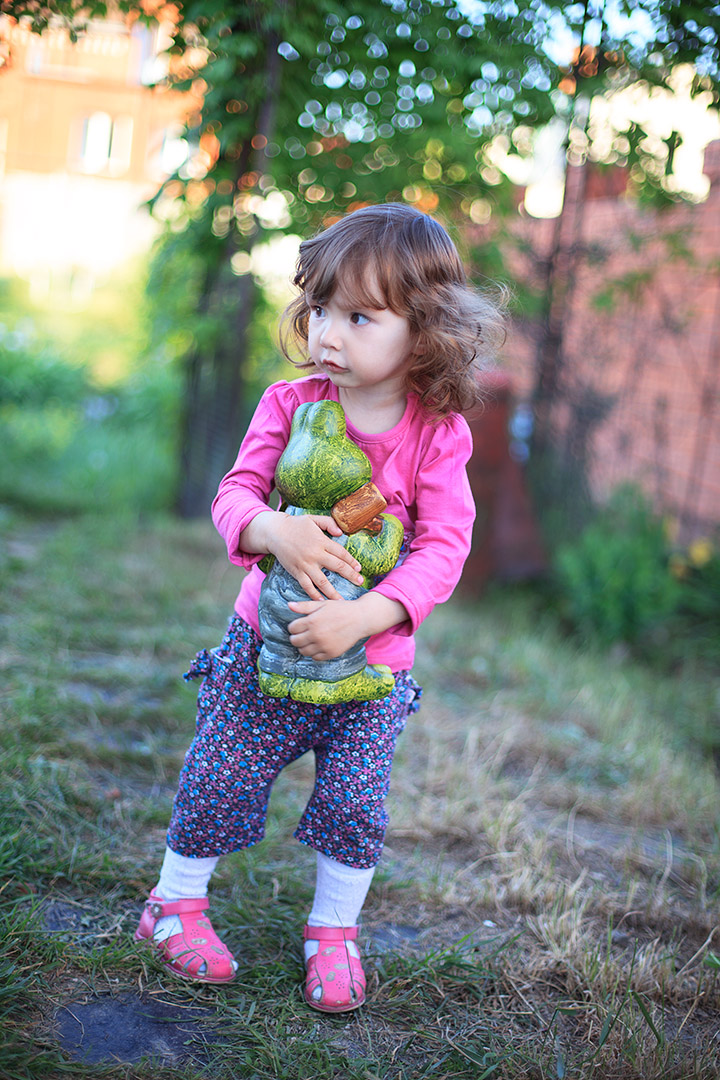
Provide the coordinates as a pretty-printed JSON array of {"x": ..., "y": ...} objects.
[
  {"x": 334, "y": 970},
  {"x": 185, "y": 953}
]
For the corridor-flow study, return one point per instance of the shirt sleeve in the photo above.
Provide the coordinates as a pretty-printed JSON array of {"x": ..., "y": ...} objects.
[
  {"x": 443, "y": 526},
  {"x": 245, "y": 491}
]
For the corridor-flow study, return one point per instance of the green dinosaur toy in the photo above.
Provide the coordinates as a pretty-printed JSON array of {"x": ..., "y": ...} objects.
[{"x": 322, "y": 472}]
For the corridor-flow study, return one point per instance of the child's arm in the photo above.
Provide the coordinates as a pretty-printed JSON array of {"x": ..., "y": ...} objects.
[
  {"x": 251, "y": 529},
  {"x": 443, "y": 515},
  {"x": 300, "y": 544},
  {"x": 328, "y": 628}
]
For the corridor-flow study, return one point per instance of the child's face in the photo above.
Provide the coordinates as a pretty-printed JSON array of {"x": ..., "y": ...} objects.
[{"x": 358, "y": 348}]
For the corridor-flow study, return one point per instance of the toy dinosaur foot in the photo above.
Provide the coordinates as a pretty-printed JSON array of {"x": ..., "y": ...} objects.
[
  {"x": 274, "y": 685},
  {"x": 373, "y": 682}
]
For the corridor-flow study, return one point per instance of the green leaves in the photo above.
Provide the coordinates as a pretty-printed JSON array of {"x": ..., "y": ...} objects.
[
  {"x": 355, "y": 92},
  {"x": 338, "y": 82},
  {"x": 614, "y": 580}
]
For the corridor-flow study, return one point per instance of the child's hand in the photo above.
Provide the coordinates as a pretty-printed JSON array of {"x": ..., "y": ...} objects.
[
  {"x": 326, "y": 628},
  {"x": 301, "y": 545}
]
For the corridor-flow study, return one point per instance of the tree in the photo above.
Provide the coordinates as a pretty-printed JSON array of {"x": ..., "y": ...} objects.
[
  {"x": 667, "y": 35},
  {"x": 309, "y": 112}
]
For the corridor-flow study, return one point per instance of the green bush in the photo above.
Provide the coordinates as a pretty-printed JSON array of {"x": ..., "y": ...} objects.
[
  {"x": 614, "y": 582},
  {"x": 33, "y": 375},
  {"x": 699, "y": 575},
  {"x": 698, "y": 572},
  {"x": 68, "y": 445}
]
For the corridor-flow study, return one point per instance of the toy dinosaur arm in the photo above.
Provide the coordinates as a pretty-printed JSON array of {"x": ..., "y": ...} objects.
[
  {"x": 360, "y": 510},
  {"x": 377, "y": 553}
]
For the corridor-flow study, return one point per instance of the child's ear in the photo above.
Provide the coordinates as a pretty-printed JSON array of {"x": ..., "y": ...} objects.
[{"x": 418, "y": 346}]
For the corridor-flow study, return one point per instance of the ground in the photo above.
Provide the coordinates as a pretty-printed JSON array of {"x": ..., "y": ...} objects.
[{"x": 547, "y": 901}]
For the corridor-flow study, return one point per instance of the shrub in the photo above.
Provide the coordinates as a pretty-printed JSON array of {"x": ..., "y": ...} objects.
[
  {"x": 614, "y": 582},
  {"x": 697, "y": 570},
  {"x": 70, "y": 446}
]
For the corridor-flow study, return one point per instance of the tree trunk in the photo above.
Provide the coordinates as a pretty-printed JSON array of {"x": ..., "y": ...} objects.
[
  {"x": 557, "y": 477},
  {"x": 212, "y": 420},
  {"x": 212, "y": 425},
  {"x": 561, "y": 274}
]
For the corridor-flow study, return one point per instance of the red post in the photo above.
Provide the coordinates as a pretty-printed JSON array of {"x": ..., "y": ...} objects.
[{"x": 506, "y": 542}]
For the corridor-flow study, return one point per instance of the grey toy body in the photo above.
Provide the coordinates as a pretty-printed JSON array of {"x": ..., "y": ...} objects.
[{"x": 277, "y": 654}]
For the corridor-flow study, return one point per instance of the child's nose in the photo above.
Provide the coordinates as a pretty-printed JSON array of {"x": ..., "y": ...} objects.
[{"x": 329, "y": 334}]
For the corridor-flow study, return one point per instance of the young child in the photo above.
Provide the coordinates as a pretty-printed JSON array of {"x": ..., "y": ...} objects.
[{"x": 392, "y": 331}]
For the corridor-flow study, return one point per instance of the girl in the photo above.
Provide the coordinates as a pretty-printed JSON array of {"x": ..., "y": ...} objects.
[{"x": 392, "y": 331}]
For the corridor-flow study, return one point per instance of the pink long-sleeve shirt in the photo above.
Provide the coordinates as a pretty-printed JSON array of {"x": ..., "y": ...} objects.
[{"x": 420, "y": 469}]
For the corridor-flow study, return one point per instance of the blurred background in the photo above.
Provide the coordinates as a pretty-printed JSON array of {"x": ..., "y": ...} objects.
[
  {"x": 159, "y": 165},
  {"x": 556, "y": 801}
]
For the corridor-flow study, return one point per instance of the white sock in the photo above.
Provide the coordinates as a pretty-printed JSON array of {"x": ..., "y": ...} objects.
[
  {"x": 181, "y": 878},
  {"x": 340, "y": 893}
]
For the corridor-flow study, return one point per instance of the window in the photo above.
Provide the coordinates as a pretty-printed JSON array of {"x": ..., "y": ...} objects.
[
  {"x": 106, "y": 145},
  {"x": 174, "y": 151}
]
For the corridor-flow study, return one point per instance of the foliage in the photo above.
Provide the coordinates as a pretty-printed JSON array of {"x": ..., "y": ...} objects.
[
  {"x": 105, "y": 332},
  {"x": 697, "y": 570},
  {"x": 614, "y": 581},
  {"x": 33, "y": 374},
  {"x": 174, "y": 288},
  {"x": 298, "y": 113},
  {"x": 424, "y": 86},
  {"x": 69, "y": 445},
  {"x": 308, "y": 113}
]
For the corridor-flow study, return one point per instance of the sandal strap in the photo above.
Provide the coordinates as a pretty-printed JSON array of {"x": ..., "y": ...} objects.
[
  {"x": 159, "y": 908},
  {"x": 330, "y": 933}
]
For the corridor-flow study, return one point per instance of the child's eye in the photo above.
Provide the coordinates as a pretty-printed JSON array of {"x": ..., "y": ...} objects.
[
  {"x": 358, "y": 318},
  {"x": 317, "y": 310}
]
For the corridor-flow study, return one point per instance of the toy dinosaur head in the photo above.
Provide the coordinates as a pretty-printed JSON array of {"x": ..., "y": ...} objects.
[{"x": 320, "y": 464}]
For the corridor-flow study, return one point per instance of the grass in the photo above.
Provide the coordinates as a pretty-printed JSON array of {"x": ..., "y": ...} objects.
[{"x": 553, "y": 858}]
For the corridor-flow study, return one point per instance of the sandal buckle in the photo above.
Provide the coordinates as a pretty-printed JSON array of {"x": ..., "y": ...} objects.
[{"x": 155, "y": 909}]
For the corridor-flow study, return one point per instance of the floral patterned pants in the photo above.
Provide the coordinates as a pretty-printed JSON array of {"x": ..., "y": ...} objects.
[{"x": 243, "y": 740}]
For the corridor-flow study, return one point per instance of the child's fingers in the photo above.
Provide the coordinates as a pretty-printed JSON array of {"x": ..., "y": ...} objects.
[
  {"x": 331, "y": 557},
  {"x": 302, "y": 627},
  {"x": 301, "y": 633},
  {"x": 307, "y": 641},
  {"x": 346, "y": 566},
  {"x": 307, "y": 551},
  {"x": 303, "y": 607},
  {"x": 341, "y": 556},
  {"x": 326, "y": 523},
  {"x": 318, "y": 589}
]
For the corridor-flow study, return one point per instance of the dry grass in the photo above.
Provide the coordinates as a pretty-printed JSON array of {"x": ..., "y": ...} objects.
[
  {"x": 567, "y": 815},
  {"x": 552, "y": 862}
]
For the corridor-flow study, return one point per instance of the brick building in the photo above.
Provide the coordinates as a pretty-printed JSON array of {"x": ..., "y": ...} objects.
[{"x": 638, "y": 368}]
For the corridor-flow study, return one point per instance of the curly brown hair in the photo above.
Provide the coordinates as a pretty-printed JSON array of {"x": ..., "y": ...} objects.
[{"x": 394, "y": 256}]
